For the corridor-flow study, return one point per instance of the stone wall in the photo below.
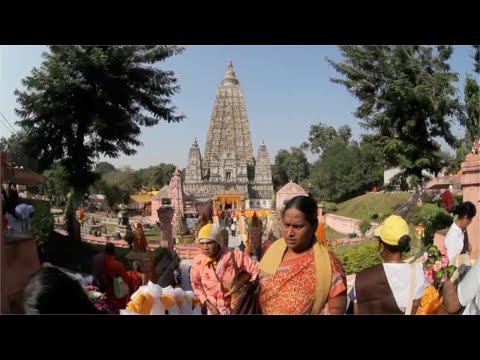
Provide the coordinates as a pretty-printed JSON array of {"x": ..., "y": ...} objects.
[
  {"x": 20, "y": 261},
  {"x": 342, "y": 224}
]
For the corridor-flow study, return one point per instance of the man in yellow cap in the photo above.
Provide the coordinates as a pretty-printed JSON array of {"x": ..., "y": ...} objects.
[
  {"x": 394, "y": 287},
  {"x": 213, "y": 272}
]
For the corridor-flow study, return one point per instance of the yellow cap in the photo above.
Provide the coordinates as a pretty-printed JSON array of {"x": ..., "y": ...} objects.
[
  {"x": 210, "y": 232},
  {"x": 393, "y": 228}
]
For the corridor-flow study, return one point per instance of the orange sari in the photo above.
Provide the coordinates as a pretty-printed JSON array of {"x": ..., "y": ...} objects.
[{"x": 291, "y": 291}]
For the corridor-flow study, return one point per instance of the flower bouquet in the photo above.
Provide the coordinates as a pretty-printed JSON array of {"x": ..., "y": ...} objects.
[
  {"x": 436, "y": 271},
  {"x": 97, "y": 298}
]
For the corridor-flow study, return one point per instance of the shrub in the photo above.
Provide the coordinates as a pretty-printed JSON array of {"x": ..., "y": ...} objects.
[
  {"x": 364, "y": 227},
  {"x": 360, "y": 257},
  {"x": 433, "y": 217},
  {"x": 352, "y": 235},
  {"x": 329, "y": 207},
  {"x": 41, "y": 225}
]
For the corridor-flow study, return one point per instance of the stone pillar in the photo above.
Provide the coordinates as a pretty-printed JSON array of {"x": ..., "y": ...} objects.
[
  {"x": 470, "y": 181},
  {"x": 165, "y": 216}
]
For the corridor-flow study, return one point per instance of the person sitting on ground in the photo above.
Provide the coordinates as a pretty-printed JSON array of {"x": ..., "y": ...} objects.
[{"x": 52, "y": 291}]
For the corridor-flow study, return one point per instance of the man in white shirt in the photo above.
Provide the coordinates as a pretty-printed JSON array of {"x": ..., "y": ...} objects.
[
  {"x": 456, "y": 240},
  {"x": 466, "y": 293}
]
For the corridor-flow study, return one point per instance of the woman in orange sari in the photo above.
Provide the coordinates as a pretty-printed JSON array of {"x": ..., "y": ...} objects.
[{"x": 297, "y": 274}]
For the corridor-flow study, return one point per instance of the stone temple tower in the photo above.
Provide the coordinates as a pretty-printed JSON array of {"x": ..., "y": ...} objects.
[{"x": 228, "y": 171}]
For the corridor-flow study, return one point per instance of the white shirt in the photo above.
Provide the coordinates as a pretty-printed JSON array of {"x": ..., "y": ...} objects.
[
  {"x": 454, "y": 241},
  {"x": 469, "y": 290},
  {"x": 398, "y": 276}
]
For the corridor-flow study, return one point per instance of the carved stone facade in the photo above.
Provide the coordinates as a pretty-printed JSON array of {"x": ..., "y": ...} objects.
[{"x": 228, "y": 163}]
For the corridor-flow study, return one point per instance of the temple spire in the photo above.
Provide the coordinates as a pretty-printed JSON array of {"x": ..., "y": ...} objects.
[{"x": 230, "y": 78}]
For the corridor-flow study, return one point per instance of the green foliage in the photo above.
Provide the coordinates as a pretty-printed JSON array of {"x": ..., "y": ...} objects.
[
  {"x": 329, "y": 207},
  {"x": 155, "y": 177},
  {"x": 87, "y": 101},
  {"x": 42, "y": 221},
  {"x": 57, "y": 182},
  {"x": 476, "y": 58},
  {"x": 290, "y": 165},
  {"x": 345, "y": 171},
  {"x": 321, "y": 136},
  {"x": 360, "y": 257},
  {"x": 118, "y": 185},
  {"x": 407, "y": 98},
  {"x": 472, "y": 109},
  {"x": 364, "y": 227},
  {"x": 17, "y": 152},
  {"x": 104, "y": 167},
  {"x": 433, "y": 217},
  {"x": 456, "y": 163},
  {"x": 70, "y": 214}
]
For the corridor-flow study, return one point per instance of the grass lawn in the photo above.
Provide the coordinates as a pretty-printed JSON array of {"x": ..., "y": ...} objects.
[
  {"x": 332, "y": 234},
  {"x": 151, "y": 234},
  {"x": 362, "y": 206}
]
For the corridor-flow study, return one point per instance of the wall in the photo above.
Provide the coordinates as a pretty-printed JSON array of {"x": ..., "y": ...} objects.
[
  {"x": 21, "y": 259},
  {"x": 343, "y": 224}
]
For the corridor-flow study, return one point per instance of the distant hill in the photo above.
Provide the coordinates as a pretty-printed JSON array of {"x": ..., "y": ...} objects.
[{"x": 363, "y": 206}]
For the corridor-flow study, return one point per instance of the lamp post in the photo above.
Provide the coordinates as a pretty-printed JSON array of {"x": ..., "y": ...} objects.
[{"x": 419, "y": 233}]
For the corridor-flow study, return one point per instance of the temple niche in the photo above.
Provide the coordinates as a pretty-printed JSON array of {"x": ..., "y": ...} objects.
[{"x": 228, "y": 173}]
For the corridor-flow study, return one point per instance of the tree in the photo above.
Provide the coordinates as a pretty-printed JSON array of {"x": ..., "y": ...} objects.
[
  {"x": 472, "y": 109},
  {"x": 16, "y": 152},
  {"x": 344, "y": 171},
  {"x": 87, "y": 101},
  {"x": 104, "y": 167},
  {"x": 406, "y": 98},
  {"x": 476, "y": 58},
  {"x": 57, "y": 182},
  {"x": 290, "y": 165}
]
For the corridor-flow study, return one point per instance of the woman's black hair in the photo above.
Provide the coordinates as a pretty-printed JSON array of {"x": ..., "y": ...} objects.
[
  {"x": 403, "y": 244},
  {"x": 307, "y": 206},
  {"x": 52, "y": 291}
]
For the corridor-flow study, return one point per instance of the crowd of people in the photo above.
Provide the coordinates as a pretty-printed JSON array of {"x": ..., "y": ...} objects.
[{"x": 297, "y": 275}]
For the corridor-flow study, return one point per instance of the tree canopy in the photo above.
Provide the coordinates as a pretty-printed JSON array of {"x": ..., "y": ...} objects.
[
  {"x": 84, "y": 101},
  {"x": 407, "y": 100}
]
